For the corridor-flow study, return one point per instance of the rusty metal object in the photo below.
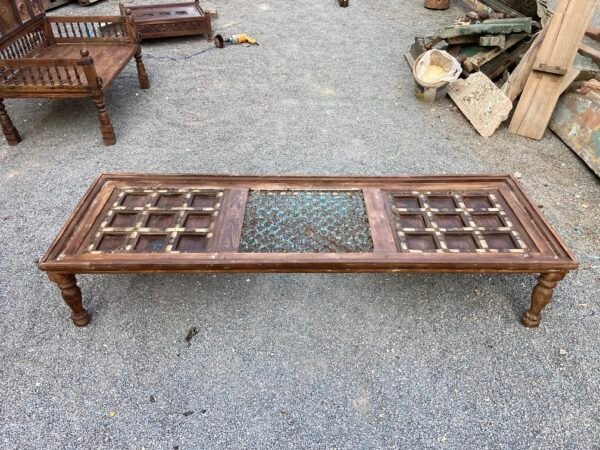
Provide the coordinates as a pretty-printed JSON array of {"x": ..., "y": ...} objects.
[{"x": 344, "y": 3}]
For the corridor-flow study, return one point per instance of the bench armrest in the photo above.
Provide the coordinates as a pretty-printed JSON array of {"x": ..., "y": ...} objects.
[
  {"x": 44, "y": 73},
  {"x": 86, "y": 29}
]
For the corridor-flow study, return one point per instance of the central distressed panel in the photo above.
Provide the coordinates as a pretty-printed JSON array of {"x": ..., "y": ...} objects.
[{"x": 306, "y": 222}]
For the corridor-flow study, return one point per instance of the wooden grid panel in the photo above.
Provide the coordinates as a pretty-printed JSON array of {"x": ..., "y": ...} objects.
[
  {"x": 158, "y": 221},
  {"x": 442, "y": 222}
]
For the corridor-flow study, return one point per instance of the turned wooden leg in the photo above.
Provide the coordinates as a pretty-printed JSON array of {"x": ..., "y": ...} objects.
[
  {"x": 540, "y": 297},
  {"x": 142, "y": 75},
  {"x": 108, "y": 132},
  {"x": 67, "y": 283},
  {"x": 10, "y": 132}
]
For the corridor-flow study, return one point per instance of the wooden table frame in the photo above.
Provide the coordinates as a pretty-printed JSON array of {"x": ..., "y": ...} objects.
[{"x": 537, "y": 248}]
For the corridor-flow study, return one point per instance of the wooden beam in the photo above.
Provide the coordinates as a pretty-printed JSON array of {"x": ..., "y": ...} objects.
[
  {"x": 499, "y": 6},
  {"x": 590, "y": 52},
  {"x": 498, "y": 40},
  {"x": 518, "y": 78},
  {"x": 495, "y": 26},
  {"x": 593, "y": 33},
  {"x": 474, "y": 63},
  {"x": 538, "y": 101},
  {"x": 565, "y": 31},
  {"x": 552, "y": 72}
]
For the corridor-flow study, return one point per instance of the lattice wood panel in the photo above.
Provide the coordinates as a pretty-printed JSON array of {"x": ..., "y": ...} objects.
[
  {"x": 158, "y": 221},
  {"x": 453, "y": 223}
]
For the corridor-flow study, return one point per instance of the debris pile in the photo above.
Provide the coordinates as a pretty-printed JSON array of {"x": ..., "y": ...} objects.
[{"x": 520, "y": 57}]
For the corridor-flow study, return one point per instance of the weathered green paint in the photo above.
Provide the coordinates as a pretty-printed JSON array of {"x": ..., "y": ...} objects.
[
  {"x": 489, "y": 27},
  {"x": 498, "y": 40},
  {"x": 576, "y": 120},
  {"x": 486, "y": 54}
]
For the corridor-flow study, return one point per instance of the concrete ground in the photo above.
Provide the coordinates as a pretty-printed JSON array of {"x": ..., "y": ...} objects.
[{"x": 289, "y": 361}]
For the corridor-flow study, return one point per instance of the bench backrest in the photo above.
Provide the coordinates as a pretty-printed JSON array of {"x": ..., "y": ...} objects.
[
  {"x": 22, "y": 28},
  {"x": 25, "y": 40},
  {"x": 16, "y": 13}
]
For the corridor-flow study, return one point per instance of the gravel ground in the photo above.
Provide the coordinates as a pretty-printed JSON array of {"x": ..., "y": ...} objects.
[{"x": 349, "y": 361}]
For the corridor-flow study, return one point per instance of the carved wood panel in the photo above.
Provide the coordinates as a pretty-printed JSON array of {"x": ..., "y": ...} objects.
[
  {"x": 450, "y": 222},
  {"x": 157, "y": 221},
  {"x": 14, "y": 13}
]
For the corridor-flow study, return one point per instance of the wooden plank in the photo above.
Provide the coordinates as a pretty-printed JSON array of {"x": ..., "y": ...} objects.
[
  {"x": 593, "y": 33},
  {"x": 493, "y": 41},
  {"x": 229, "y": 228},
  {"x": 538, "y": 101},
  {"x": 496, "y": 67},
  {"x": 381, "y": 230},
  {"x": 462, "y": 40},
  {"x": 474, "y": 63},
  {"x": 493, "y": 26},
  {"x": 478, "y": 6},
  {"x": 481, "y": 102},
  {"x": 565, "y": 31},
  {"x": 590, "y": 52},
  {"x": 518, "y": 78},
  {"x": 499, "y": 6}
]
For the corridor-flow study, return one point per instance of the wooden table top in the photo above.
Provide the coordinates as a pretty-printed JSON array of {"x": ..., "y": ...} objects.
[{"x": 209, "y": 223}]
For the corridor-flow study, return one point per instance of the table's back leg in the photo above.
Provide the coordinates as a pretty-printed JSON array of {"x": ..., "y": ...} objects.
[
  {"x": 540, "y": 297},
  {"x": 67, "y": 283}
]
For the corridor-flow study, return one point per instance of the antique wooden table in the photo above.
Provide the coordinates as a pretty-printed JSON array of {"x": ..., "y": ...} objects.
[
  {"x": 130, "y": 223},
  {"x": 169, "y": 19}
]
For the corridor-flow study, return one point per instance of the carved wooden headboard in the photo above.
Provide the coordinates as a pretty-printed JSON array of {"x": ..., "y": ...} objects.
[{"x": 14, "y": 13}]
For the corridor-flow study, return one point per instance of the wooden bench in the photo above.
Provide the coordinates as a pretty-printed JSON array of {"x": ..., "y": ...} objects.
[
  {"x": 132, "y": 223},
  {"x": 65, "y": 57}
]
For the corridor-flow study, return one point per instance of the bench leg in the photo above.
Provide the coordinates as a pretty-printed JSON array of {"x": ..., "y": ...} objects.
[
  {"x": 108, "y": 132},
  {"x": 540, "y": 297},
  {"x": 10, "y": 132},
  {"x": 142, "y": 75},
  {"x": 67, "y": 283}
]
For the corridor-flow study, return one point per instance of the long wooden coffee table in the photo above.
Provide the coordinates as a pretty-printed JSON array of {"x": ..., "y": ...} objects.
[{"x": 146, "y": 223}]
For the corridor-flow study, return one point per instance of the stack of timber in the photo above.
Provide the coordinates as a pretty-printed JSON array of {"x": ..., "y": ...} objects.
[{"x": 488, "y": 42}]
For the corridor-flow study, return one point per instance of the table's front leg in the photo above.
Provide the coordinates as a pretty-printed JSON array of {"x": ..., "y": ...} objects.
[
  {"x": 540, "y": 297},
  {"x": 67, "y": 283}
]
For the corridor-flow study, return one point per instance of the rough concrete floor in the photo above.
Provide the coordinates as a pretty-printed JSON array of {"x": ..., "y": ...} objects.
[{"x": 349, "y": 361}]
